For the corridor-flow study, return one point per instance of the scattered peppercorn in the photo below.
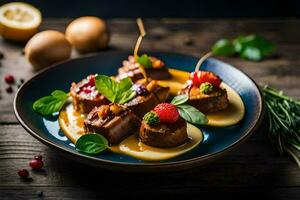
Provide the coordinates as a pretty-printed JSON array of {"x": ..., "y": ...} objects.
[
  {"x": 206, "y": 88},
  {"x": 151, "y": 118},
  {"x": 9, "y": 79},
  {"x": 22, "y": 80},
  {"x": 23, "y": 173},
  {"x": 1, "y": 55},
  {"x": 9, "y": 90},
  {"x": 36, "y": 164}
]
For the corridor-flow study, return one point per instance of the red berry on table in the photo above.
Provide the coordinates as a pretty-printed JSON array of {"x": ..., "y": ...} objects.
[
  {"x": 199, "y": 77},
  {"x": 9, "y": 89},
  {"x": 38, "y": 157},
  {"x": 9, "y": 79},
  {"x": 23, "y": 173},
  {"x": 36, "y": 164},
  {"x": 167, "y": 112}
]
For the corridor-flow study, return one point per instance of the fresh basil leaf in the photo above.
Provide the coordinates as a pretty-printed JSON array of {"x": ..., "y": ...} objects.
[
  {"x": 115, "y": 92},
  {"x": 107, "y": 87},
  {"x": 223, "y": 47},
  {"x": 125, "y": 96},
  {"x": 59, "y": 94},
  {"x": 242, "y": 42},
  {"x": 125, "y": 84},
  {"x": 145, "y": 61},
  {"x": 252, "y": 53},
  {"x": 180, "y": 99},
  {"x": 191, "y": 114},
  {"x": 50, "y": 104},
  {"x": 91, "y": 143}
]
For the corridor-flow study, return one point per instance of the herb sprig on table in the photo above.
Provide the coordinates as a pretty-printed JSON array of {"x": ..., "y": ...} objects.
[
  {"x": 250, "y": 47},
  {"x": 283, "y": 119}
]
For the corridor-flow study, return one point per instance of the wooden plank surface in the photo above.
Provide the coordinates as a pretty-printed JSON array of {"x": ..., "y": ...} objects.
[{"x": 254, "y": 168}]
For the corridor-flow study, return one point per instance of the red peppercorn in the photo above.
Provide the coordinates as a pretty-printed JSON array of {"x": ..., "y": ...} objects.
[
  {"x": 9, "y": 89},
  {"x": 9, "y": 79},
  {"x": 36, "y": 164},
  {"x": 23, "y": 173},
  {"x": 38, "y": 157}
]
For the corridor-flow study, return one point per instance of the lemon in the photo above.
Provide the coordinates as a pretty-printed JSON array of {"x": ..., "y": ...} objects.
[{"x": 19, "y": 21}]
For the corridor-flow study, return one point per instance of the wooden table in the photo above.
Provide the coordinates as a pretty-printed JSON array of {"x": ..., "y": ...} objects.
[{"x": 253, "y": 169}]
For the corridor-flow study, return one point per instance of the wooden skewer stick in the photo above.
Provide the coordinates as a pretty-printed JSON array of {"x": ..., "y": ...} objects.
[
  {"x": 138, "y": 44},
  {"x": 202, "y": 59},
  {"x": 142, "y": 34}
]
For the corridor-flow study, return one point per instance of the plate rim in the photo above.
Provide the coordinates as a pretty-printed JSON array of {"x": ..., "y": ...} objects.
[{"x": 139, "y": 167}]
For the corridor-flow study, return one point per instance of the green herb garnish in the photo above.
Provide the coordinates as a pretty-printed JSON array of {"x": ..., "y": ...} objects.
[
  {"x": 223, "y": 47},
  {"x": 91, "y": 143},
  {"x": 50, "y": 104},
  {"x": 283, "y": 119},
  {"x": 187, "y": 112},
  {"x": 206, "y": 88},
  {"x": 117, "y": 92},
  {"x": 145, "y": 61},
  {"x": 250, "y": 47},
  {"x": 180, "y": 99},
  {"x": 151, "y": 118},
  {"x": 191, "y": 114}
]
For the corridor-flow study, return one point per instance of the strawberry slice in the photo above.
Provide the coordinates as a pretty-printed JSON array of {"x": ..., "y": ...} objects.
[
  {"x": 167, "y": 112},
  {"x": 199, "y": 77}
]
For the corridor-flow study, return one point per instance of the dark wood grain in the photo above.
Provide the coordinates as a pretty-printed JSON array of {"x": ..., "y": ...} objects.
[{"x": 253, "y": 169}]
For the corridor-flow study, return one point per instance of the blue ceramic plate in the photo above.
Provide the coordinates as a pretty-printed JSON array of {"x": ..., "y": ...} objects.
[{"x": 217, "y": 141}]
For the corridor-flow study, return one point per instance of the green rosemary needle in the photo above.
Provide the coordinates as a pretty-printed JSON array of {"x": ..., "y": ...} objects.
[{"x": 283, "y": 119}]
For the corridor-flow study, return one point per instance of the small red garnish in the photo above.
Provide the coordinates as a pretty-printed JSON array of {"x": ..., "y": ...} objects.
[
  {"x": 23, "y": 173},
  {"x": 9, "y": 79},
  {"x": 87, "y": 87},
  {"x": 199, "y": 77},
  {"x": 167, "y": 112},
  {"x": 36, "y": 164}
]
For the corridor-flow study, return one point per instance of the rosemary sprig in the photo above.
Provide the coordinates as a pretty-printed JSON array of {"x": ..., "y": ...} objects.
[{"x": 283, "y": 119}]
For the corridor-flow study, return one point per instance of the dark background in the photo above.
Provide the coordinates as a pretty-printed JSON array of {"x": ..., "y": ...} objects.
[{"x": 168, "y": 8}]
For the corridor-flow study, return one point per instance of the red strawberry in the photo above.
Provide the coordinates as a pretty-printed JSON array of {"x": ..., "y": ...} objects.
[
  {"x": 167, "y": 112},
  {"x": 199, "y": 77}
]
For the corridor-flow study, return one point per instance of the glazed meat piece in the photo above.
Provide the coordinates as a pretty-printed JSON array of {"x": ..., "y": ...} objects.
[
  {"x": 130, "y": 68},
  {"x": 113, "y": 121},
  {"x": 164, "y": 135},
  {"x": 148, "y": 95},
  {"x": 85, "y": 95},
  {"x": 213, "y": 101}
]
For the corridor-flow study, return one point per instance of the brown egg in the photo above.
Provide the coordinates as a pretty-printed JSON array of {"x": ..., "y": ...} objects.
[
  {"x": 46, "y": 48},
  {"x": 88, "y": 34}
]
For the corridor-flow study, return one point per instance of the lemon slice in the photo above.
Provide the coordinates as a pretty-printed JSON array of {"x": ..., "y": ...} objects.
[{"x": 19, "y": 21}]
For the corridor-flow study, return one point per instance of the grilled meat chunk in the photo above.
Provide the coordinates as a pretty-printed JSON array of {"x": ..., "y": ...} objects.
[
  {"x": 164, "y": 135},
  {"x": 85, "y": 95},
  {"x": 214, "y": 101},
  {"x": 130, "y": 68},
  {"x": 148, "y": 95},
  {"x": 115, "y": 122}
]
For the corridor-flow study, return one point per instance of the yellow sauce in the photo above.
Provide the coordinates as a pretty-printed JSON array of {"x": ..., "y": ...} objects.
[
  {"x": 132, "y": 147},
  {"x": 71, "y": 123}
]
